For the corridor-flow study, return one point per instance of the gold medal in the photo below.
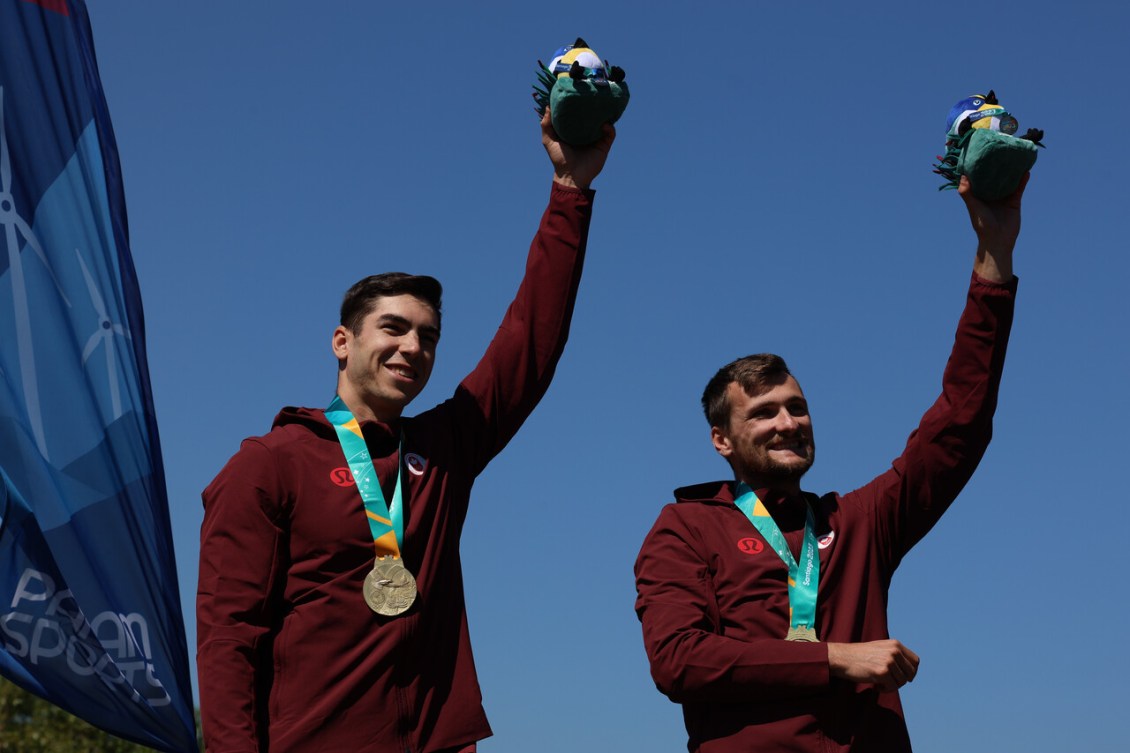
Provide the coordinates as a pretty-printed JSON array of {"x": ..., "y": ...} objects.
[
  {"x": 389, "y": 589},
  {"x": 803, "y": 634}
]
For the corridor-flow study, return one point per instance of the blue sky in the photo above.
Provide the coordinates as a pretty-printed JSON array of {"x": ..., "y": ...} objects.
[{"x": 770, "y": 190}]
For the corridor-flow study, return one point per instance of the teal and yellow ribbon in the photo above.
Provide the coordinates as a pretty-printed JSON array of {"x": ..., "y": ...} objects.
[
  {"x": 386, "y": 522},
  {"x": 803, "y": 577}
]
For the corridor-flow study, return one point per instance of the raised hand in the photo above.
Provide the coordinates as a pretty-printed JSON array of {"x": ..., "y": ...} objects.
[
  {"x": 997, "y": 224},
  {"x": 575, "y": 166}
]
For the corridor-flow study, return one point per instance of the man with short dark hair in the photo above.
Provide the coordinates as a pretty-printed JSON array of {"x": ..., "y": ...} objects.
[
  {"x": 330, "y": 608},
  {"x": 764, "y": 607}
]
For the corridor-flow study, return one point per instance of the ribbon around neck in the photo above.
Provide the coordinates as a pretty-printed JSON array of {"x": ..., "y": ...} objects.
[
  {"x": 386, "y": 522},
  {"x": 803, "y": 577}
]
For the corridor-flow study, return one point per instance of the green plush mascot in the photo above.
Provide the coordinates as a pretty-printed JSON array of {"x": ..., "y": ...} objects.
[
  {"x": 981, "y": 144},
  {"x": 581, "y": 91}
]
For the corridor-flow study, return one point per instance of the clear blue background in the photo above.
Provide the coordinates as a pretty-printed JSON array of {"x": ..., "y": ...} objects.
[{"x": 770, "y": 189}]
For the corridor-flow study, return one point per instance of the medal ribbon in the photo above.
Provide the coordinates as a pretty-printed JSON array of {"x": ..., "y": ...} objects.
[
  {"x": 385, "y": 522},
  {"x": 802, "y": 584}
]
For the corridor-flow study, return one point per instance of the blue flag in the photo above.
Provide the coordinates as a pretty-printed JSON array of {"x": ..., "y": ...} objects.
[{"x": 90, "y": 615}]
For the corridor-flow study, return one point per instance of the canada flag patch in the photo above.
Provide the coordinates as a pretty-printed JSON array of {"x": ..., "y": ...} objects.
[{"x": 416, "y": 464}]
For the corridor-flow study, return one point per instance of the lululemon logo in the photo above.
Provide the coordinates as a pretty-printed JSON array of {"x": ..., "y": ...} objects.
[
  {"x": 342, "y": 476},
  {"x": 825, "y": 541},
  {"x": 750, "y": 545},
  {"x": 415, "y": 463}
]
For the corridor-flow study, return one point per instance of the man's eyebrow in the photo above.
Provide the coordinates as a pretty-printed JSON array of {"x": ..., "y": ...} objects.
[
  {"x": 762, "y": 401},
  {"x": 389, "y": 318}
]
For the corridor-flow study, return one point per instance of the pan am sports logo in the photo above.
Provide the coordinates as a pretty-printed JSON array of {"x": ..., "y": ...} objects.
[{"x": 46, "y": 626}]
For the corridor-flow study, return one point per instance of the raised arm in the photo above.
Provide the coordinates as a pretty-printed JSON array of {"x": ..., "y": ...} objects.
[
  {"x": 518, "y": 365},
  {"x": 943, "y": 452}
]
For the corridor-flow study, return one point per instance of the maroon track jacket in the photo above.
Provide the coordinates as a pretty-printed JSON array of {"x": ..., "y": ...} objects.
[
  {"x": 713, "y": 597},
  {"x": 290, "y": 657}
]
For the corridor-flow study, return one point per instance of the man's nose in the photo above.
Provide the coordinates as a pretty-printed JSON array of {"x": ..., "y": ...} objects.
[
  {"x": 786, "y": 421},
  {"x": 410, "y": 343}
]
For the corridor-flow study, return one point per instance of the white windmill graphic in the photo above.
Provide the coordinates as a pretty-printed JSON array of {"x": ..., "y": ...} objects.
[
  {"x": 104, "y": 335},
  {"x": 13, "y": 225}
]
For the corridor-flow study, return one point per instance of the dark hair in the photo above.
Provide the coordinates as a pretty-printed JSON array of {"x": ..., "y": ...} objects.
[
  {"x": 752, "y": 373},
  {"x": 360, "y": 299}
]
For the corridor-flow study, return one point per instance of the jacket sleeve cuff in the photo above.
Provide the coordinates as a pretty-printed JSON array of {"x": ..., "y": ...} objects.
[
  {"x": 1008, "y": 287},
  {"x": 567, "y": 193}
]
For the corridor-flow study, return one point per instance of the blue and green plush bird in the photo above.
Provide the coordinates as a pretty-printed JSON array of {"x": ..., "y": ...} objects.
[
  {"x": 582, "y": 91},
  {"x": 981, "y": 144}
]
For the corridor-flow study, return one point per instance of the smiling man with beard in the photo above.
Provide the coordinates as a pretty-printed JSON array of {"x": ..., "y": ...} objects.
[{"x": 764, "y": 607}]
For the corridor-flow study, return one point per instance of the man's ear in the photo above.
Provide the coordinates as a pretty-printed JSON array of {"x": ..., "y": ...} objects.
[
  {"x": 340, "y": 342},
  {"x": 721, "y": 442}
]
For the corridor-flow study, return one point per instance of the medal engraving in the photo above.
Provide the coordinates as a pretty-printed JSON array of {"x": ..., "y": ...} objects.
[
  {"x": 803, "y": 634},
  {"x": 389, "y": 589}
]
